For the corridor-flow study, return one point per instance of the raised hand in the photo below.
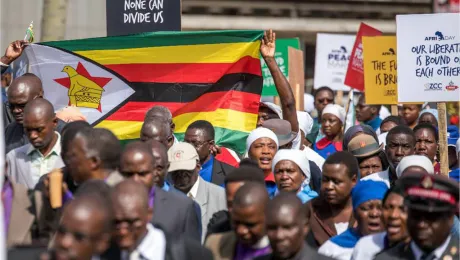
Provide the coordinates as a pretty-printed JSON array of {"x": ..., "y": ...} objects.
[
  {"x": 13, "y": 51},
  {"x": 267, "y": 48}
]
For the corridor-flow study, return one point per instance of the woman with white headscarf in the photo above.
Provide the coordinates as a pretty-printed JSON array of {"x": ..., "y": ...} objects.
[
  {"x": 262, "y": 145},
  {"x": 414, "y": 164},
  {"x": 332, "y": 120},
  {"x": 292, "y": 173},
  {"x": 306, "y": 124}
]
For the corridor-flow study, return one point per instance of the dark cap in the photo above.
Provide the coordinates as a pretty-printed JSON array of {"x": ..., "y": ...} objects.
[
  {"x": 282, "y": 129},
  {"x": 364, "y": 145},
  {"x": 431, "y": 193}
]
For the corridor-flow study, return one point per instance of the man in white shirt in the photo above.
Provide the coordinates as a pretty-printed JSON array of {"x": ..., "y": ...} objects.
[
  {"x": 43, "y": 154},
  {"x": 184, "y": 167},
  {"x": 136, "y": 237}
]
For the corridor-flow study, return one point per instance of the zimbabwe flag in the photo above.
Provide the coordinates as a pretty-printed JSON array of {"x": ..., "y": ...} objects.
[{"x": 213, "y": 76}]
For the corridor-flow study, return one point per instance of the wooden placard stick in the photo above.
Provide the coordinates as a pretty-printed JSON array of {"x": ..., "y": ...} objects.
[
  {"x": 442, "y": 129},
  {"x": 339, "y": 97},
  {"x": 394, "y": 110}
]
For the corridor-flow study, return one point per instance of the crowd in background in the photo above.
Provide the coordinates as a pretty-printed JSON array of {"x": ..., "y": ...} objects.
[{"x": 307, "y": 188}]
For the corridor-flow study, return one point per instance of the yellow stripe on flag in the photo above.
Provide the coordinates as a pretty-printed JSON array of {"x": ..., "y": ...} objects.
[
  {"x": 223, "y": 118},
  {"x": 203, "y": 53}
]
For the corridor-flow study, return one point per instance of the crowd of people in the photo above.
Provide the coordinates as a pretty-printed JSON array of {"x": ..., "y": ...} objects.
[{"x": 307, "y": 188}]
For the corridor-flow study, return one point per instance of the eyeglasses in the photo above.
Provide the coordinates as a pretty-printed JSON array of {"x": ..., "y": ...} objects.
[
  {"x": 129, "y": 224},
  {"x": 78, "y": 236}
]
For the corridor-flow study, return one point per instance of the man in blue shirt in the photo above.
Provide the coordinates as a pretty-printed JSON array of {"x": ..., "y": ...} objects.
[
  {"x": 200, "y": 134},
  {"x": 368, "y": 114}
]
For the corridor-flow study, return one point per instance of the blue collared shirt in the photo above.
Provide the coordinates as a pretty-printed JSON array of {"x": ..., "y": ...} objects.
[{"x": 206, "y": 169}]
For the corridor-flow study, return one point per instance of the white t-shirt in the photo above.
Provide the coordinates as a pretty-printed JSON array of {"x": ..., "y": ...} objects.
[
  {"x": 379, "y": 176},
  {"x": 335, "y": 251},
  {"x": 368, "y": 246}
]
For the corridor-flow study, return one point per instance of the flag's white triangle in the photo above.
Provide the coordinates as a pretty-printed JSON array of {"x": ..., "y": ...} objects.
[{"x": 48, "y": 63}]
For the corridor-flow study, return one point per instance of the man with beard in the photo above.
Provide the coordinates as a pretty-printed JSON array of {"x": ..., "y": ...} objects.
[
  {"x": 400, "y": 142},
  {"x": 431, "y": 201},
  {"x": 248, "y": 239}
]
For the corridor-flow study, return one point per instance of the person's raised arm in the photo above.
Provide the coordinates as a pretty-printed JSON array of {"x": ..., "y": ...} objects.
[
  {"x": 13, "y": 51},
  {"x": 267, "y": 50}
]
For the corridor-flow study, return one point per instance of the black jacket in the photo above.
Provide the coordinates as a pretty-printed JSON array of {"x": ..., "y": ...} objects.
[{"x": 219, "y": 171}]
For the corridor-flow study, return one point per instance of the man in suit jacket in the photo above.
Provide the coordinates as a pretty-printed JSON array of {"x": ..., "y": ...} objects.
[
  {"x": 248, "y": 238},
  {"x": 147, "y": 163},
  {"x": 130, "y": 201},
  {"x": 200, "y": 134},
  {"x": 27, "y": 217},
  {"x": 431, "y": 201},
  {"x": 286, "y": 210},
  {"x": 184, "y": 166}
]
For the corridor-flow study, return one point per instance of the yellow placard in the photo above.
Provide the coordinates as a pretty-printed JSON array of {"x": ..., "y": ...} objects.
[{"x": 380, "y": 70}]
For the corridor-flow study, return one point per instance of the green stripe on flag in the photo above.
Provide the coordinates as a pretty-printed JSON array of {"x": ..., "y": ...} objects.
[
  {"x": 157, "y": 39},
  {"x": 234, "y": 140}
]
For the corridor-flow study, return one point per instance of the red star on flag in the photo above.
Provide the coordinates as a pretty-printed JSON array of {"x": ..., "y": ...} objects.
[{"x": 81, "y": 70}]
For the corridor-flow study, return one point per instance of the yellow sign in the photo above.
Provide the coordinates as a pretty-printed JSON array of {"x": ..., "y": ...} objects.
[{"x": 380, "y": 70}]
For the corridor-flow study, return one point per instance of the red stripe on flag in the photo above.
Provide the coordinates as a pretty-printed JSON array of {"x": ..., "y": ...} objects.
[
  {"x": 185, "y": 72},
  {"x": 234, "y": 100}
]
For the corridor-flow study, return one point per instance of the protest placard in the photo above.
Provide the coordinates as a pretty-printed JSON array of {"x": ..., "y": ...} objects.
[
  {"x": 428, "y": 57},
  {"x": 333, "y": 52},
  {"x": 355, "y": 72},
  {"x": 136, "y": 16},
  {"x": 380, "y": 70},
  {"x": 282, "y": 59}
]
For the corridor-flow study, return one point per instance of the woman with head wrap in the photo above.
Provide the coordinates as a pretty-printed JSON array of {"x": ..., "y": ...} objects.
[
  {"x": 394, "y": 220},
  {"x": 428, "y": 116},
  {"x": 262, "y": 145},
  {"x": 414, "y": 164},
  {"x": 306, "y": 124},
  {"x": 292, "y": 173},
  {"x": 332, "y": 120},
  {"x": 367, "y": 208}
]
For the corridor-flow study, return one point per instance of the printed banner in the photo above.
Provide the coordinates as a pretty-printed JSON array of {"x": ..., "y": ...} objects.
[
  {"x": 333, "y": 52},
  {"x": 380, "y": 70},
  {"x": 355, "y": 71},
  {"x": 282, "y": 59},
  {"x": 428, "y": 57}
]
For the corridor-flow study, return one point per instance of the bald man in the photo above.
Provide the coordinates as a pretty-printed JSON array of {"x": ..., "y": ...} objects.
[
  {"x": 85, "y": 228},
  {"x": 287, "y": 227},
  {"x": 158, "y": 129},
  {"x": 139, "y": 239},
  {"x": 43, "y": 154},
  {"x": 23, "y": 90},
  {"x": 147, "y": 163},
  {"x": 248, "y": 239}
]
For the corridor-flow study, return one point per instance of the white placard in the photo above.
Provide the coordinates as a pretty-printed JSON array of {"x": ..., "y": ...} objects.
[
  {"x": 428, "y": 57},
  {"x": 333, "y": 52}
]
